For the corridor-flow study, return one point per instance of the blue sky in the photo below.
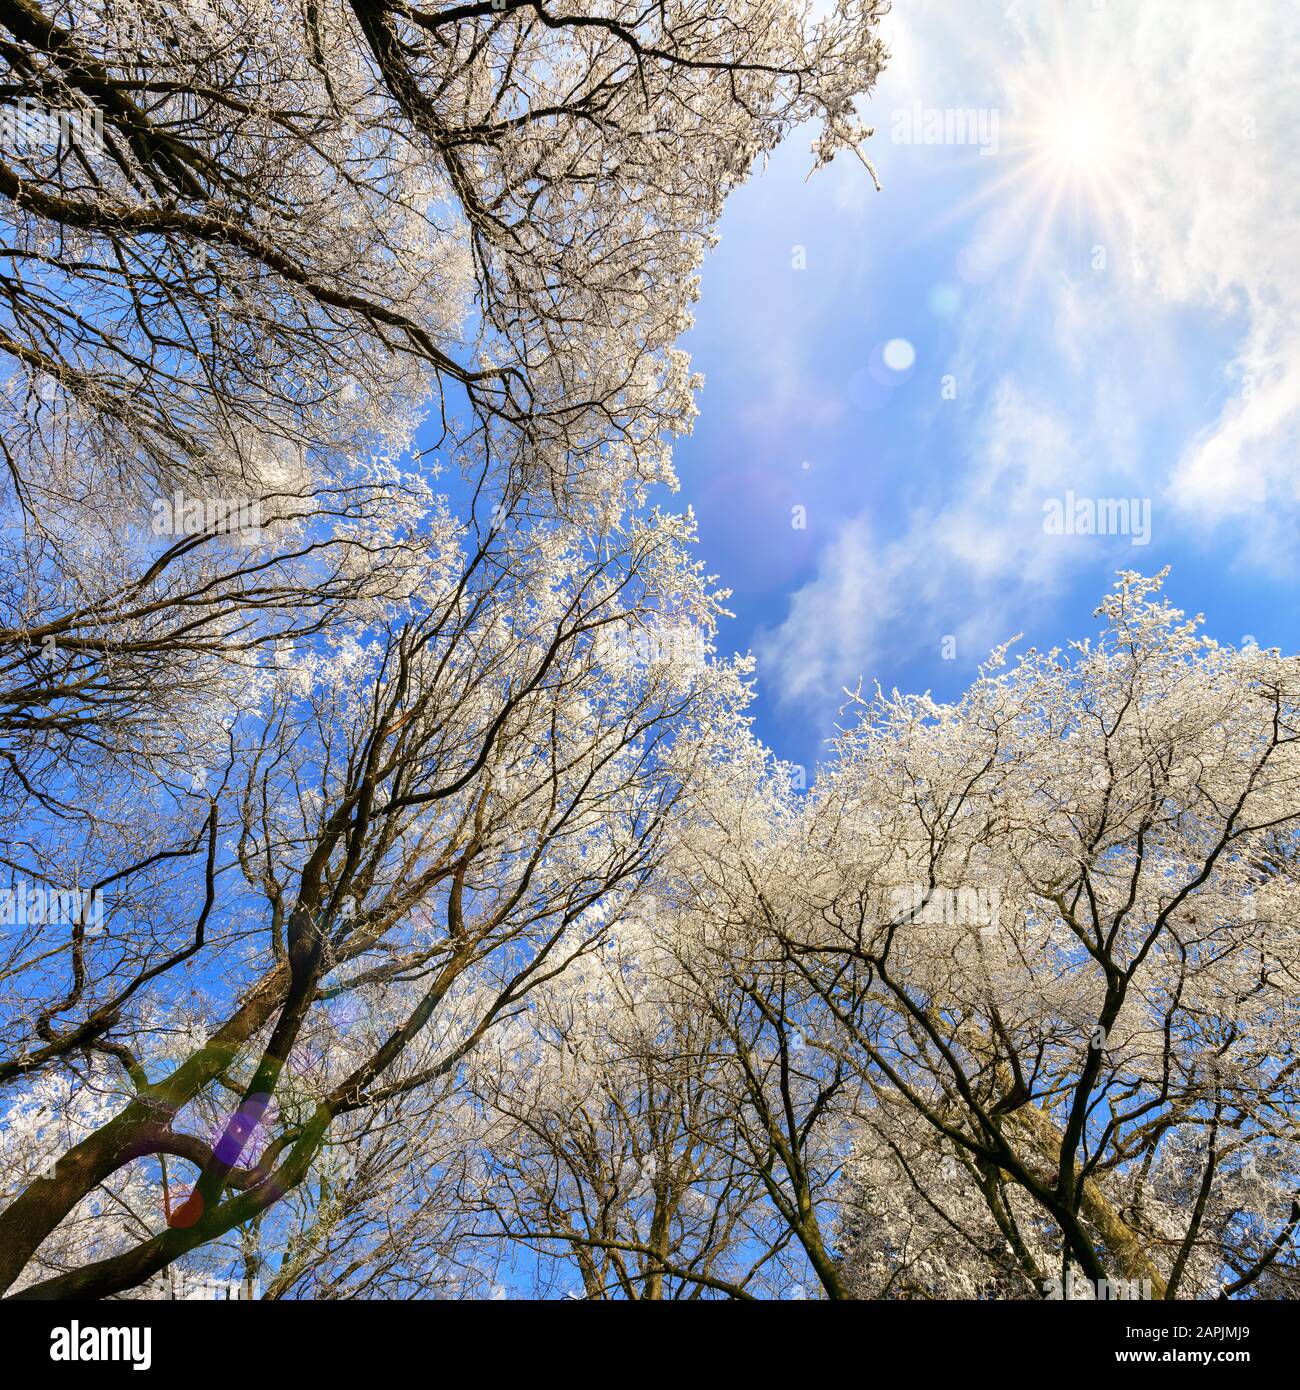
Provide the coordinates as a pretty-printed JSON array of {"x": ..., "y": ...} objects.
[{"x": 1112, "y": 293}]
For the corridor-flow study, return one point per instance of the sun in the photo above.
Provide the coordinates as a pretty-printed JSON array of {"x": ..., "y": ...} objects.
[
  {"x": 1077, "y": 137},
  {"x": 1062, "y": 182}
]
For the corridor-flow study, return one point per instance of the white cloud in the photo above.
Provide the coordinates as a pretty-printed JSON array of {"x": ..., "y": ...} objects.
[
  {"x": 1206, "y": 142},
  {"x": 877, "y": 598}
]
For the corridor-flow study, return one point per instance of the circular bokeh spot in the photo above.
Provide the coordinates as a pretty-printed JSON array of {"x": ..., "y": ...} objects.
[{"x": 899, "y": 355}]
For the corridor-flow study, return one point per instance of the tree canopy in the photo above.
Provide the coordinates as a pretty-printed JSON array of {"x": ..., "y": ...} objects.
[{"x": 395, "y": 899}]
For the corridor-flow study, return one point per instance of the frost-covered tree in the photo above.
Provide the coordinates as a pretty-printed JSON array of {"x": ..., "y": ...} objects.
[
  {"x": 314, "y": 773},
  {"x": 441, "y": 810},
  {"x": 250, "y": 248},
  {"x": 610, "y": 1139},
  {"x": 237, "y": 225},
  {"x": 1048, "y": 928}
]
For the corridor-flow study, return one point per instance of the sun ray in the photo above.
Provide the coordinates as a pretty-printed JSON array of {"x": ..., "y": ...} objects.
[{"x": 1067, "y": 160}]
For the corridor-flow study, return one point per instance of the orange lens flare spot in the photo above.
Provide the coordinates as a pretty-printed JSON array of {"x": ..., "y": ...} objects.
[{"x": 187, "y": 1214}]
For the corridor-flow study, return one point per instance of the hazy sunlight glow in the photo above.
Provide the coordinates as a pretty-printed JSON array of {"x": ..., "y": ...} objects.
[{"x": 1079, "y": 136}]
